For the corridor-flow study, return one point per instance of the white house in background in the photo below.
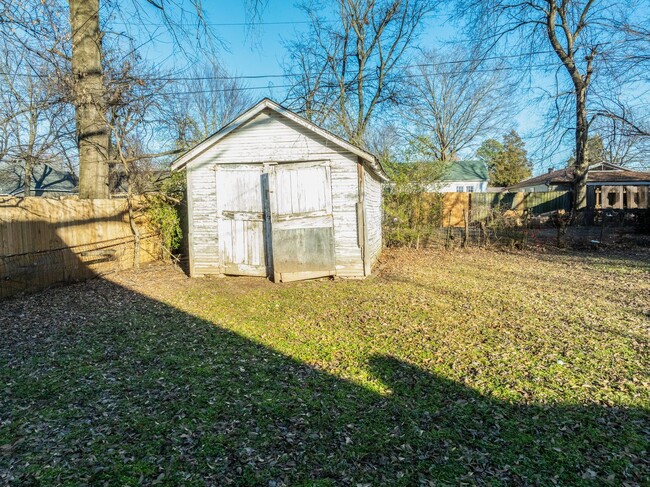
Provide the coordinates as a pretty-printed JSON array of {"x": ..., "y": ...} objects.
[
  {"x": 272, "y": 194},
  {"x": 465, "y": 177}
]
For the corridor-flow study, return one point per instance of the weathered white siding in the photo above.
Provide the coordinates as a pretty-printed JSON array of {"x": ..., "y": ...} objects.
[
  {"x": 452, "y": 186},
  {"x": 202, "y": 220},
  {"x": 271, "y": 137},
  {"x": 373, "y": 212}
]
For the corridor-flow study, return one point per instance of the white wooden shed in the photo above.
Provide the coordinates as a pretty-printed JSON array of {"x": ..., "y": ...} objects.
[{"x": 272, "y": 194}]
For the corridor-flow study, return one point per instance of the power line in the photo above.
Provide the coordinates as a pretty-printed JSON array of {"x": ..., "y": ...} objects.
[
  {"x": 289, "y": 75},
  {"x": 221, "y": 24},
  {"x": 325, "y": 85},
  {"x": 419, "y": 65},
  {"x": 217, "y": 89}
]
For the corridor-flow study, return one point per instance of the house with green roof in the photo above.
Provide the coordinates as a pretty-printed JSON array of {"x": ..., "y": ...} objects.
[{"x": 465, "y": 177}]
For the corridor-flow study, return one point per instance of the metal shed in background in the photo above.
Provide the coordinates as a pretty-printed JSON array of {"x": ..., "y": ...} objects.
[{"x": 272, "y": 194}]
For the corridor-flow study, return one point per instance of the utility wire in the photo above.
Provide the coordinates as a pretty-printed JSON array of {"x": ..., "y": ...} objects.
[
  {"x": 217, "y": 89},
  {"x": 288, "y": 75},
  {"x": 222, "y": 24},
  {"x": 326, "y": 85}
]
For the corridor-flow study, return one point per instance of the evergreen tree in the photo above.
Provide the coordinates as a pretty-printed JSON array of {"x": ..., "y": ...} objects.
[
  {"x": 507, "y": 161},
  {"x": 596, "y": 152},
  {"x": 488, "y": 152}
]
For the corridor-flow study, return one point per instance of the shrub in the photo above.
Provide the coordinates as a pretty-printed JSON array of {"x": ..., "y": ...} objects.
[
  {"x": 163, "y": 211},
  {"x": 411, "y": 211}
]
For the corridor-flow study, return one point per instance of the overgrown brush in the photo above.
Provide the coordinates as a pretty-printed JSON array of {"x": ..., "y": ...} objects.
[
  {"x": 164, "y": 211},
  {"x": 412, "y": 213}
]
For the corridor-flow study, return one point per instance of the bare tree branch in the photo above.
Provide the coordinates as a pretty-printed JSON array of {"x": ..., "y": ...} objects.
[{"x": 348, "y": 69}]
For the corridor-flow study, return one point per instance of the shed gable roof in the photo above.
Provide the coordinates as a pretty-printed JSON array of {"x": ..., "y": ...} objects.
[{"x": 238, "y": 122}]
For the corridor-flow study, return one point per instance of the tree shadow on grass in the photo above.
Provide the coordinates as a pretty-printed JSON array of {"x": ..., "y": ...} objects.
[{"x": 102, "y": 385}]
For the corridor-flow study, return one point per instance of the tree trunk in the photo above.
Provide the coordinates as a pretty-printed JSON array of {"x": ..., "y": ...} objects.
[
  {"x": 29, "y": 153},
  {"x": 27, "y": 176},
  {"x": 582, "y": 159},
  {"x": 88, "y": 88},
  {"x": 134, "y": 226}
]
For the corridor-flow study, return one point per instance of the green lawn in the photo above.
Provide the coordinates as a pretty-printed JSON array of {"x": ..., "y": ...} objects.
[{"x": 445, "y": 368}]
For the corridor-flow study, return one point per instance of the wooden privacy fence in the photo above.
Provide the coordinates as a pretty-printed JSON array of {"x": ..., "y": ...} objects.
[
  {"x": 46, "y": 241},
  {"x": 480, "y": 206},
  {"x": 455, "y": 207}
]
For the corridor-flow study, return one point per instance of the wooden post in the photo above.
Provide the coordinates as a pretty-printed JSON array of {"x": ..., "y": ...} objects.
[
  {"x": 643, "y": 197},
  {"x": 621, "y": 197},
  {"x": 133, "y": 225},
  {"x": 632, "y": 200},
  {"x": 448, "y": 231},
  {"x": 466, "y": 218}
]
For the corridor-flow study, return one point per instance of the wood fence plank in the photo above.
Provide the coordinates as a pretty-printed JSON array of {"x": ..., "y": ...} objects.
[
  {"x": 44, "y": 241},
  {"x": 481, "y": 205}
]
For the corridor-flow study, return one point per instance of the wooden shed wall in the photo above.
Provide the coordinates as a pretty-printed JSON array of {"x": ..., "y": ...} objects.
[
  {"x": 373, "y": 212},
  {"x": 270, "y": 137}
]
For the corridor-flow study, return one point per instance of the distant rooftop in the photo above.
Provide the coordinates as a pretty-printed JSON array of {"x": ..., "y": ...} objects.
[
  {"x": 46, "y": 180},
  {"x": 466, "y": 171},
  {"x": 598, "y": 173}
]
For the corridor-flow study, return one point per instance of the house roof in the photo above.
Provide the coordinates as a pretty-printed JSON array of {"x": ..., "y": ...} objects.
[
  {"x": 473, "y": 170},
  {"x": 267, "y": 103},
  {"x": 606, "y": 173},
  {"x": 46, "y": 179}
]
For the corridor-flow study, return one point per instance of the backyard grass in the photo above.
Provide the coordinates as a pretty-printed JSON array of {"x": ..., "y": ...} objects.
[{"x": 445, "y": 368}]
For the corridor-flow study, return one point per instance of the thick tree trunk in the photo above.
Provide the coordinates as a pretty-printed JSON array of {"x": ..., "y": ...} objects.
[
  {"x": 582, "y": 158},
  {"x": 92, "y": 132}
]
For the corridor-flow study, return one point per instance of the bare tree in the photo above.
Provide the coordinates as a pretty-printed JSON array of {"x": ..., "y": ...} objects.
[
  {"x": 37, "y": 27},
  {"x": 582, "y": 35},
  {"x": 638, "y": 42},
  {"x": 308, "y": 70},
  {"x": 33, "y": 115},
  {"x": 455, "y": 100},
  {"x": 619, "y": 145},
  {"x": 384, "y": 139},
  {"x": 345, "y": 70},
  {"x": 203, "y": 102},
  {"x": 88, "y": 88},
  {"x": 626, "y": 116}
]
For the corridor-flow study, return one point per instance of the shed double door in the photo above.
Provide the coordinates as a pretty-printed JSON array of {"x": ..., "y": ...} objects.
[{"x": 276, "y": 220}]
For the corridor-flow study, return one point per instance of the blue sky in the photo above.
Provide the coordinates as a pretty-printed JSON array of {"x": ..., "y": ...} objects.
[{"x": 260, "y": 51}]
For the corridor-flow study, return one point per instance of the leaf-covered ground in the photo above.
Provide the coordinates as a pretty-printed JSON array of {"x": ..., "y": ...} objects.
[{"x": 445, "y": 368}]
